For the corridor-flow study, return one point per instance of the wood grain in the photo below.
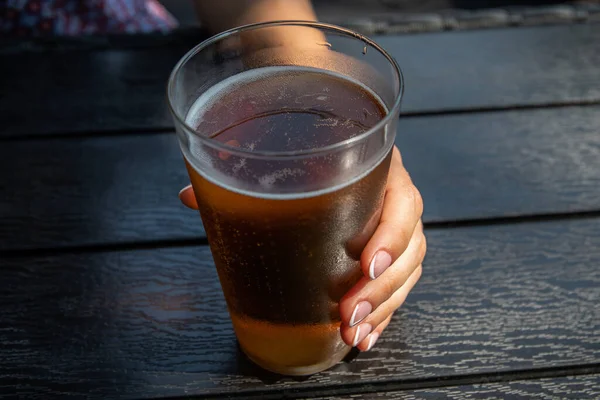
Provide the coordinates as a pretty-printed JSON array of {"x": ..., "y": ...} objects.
[
  {"x": 504, "y": 164},
  {"x": 572, "y": 387},
  {"x": 93, "y": 191},
  {"x": 120, "y": 89},
  {"x": 75, "y": 91},
  {"x": 498, "y": 68},
  {"x": 152, "y": 323},
  {"x": 122, "y": 189}
]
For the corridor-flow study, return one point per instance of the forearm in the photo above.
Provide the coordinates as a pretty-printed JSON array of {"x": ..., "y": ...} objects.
[{"x": 228, "y": 14}]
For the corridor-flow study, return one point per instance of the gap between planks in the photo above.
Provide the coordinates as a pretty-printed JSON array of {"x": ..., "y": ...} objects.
[
  {"x": 408, "y": 384},
  {"x": 403, "y": 115},
  {"x": 199, "y": 241}
]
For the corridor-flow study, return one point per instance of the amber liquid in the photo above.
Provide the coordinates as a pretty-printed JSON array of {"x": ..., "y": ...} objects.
[{"x": 285, "y": 262}]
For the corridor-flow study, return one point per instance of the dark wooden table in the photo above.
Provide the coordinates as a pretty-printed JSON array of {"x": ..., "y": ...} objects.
[{"x": 107, "y": 288}]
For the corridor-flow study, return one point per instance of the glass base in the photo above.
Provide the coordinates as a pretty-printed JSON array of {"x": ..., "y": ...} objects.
[{"x": 302, "y": 370}]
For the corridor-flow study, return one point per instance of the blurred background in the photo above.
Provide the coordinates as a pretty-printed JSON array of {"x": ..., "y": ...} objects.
[{"x": 338, "y": 11}]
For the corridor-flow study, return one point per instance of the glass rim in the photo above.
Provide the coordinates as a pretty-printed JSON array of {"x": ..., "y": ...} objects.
[{"x": 276, "y": 154}]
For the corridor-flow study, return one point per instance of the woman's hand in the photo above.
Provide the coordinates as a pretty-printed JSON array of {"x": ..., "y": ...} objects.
[{"x": 391, "y": 260}]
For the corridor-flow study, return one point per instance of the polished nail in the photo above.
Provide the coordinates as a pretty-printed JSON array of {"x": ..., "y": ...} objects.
[
  {"x": 361, "y": 333},
  {"x": 360, "y": 312},
  {"x": 372, "y": 339},
  {"x": 380, "y": 262}
]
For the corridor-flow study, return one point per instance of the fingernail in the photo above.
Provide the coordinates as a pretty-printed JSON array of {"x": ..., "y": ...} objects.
[
  {"x": 361, "y": 333},
  {"x": 360, "y": 312},
  {"x": 372, "y": 339},
  {"x": 184, "y": 189},
  {"x": 380, "y": 262}
]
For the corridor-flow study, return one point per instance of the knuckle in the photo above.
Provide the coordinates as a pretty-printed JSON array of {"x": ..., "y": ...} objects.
[
  {"x": 417, "y": 200},
  {"x": 387, "y": 288},
  {"x": 397, "y": 237},
  {"x": 404, "y": 236},
  {"x": 422, "y": 249},
  {"x": 396, "y": 154},
  {"x": 382, "y": 315},
  {"x": 387, "y": 319},
  {"x": 419, "y": 272}
]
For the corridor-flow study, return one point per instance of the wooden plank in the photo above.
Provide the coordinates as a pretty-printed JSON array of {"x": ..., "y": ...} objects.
[
  {"x": 93, "y": 191},
  {"x": 90, "y": 191},
  {"x": 120, "y": 89},
  {"x": 571, "y": 387},
  {"x": 504, "y": 164},
  {"x": 152, "y": 323},
  {"x": 499, "y": 68},
  {"x": 66, "y": 92}
]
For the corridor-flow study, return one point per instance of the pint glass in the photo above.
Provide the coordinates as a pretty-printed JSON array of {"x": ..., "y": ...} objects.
[{"x": 287, "y": 131}]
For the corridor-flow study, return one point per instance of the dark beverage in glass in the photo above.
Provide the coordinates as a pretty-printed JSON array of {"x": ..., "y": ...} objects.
[{"x": 288, "y": 164}]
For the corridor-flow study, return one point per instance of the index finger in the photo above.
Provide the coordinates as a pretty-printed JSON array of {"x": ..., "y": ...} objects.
[{"x": 402, "y": 210}]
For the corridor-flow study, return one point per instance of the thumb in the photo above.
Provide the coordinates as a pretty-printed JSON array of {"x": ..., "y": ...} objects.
[{"x": 188, "y": 198}]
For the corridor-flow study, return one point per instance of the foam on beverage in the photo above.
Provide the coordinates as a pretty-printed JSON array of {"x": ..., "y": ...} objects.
[{"x": 283, "y": 109}]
